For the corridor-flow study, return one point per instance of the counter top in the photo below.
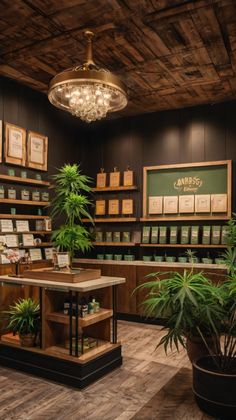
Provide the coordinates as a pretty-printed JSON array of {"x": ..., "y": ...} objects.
[
  {"x": 85, "y": 286},
  {"x": 150, "y": 263}
]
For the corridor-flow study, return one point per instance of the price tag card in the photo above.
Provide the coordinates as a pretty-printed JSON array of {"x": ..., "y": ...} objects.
[
  {"x": 114, "y": 179},
  {"x": 101, "y": 180},
  {"x": 100, "y": 207},
  {"x": 48, "y": 253},
  {"x": 11, "y": 241},
  {"x": 113, "y": 207},
  {"x": 6, "y": 225},
  {"x": 35, "y": 254},
  {"x": 22, "y": 226},
  {"x": 28, "y": 239},
  {"x": 127, "y": 206},
  {"x": 128, "y": 178},
  {"x": 63, "y": 259}
]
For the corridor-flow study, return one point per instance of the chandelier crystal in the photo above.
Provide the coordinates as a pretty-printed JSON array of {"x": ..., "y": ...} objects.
[{"x": 87, "y": 91}]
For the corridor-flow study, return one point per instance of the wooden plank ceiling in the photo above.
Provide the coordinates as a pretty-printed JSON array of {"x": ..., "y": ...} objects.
[{"x": 170, "y": 53}]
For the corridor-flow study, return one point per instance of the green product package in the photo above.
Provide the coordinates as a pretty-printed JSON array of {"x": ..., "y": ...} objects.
[
  {"x": 215, "y": 235},
  {"x": 173, "y": 234},
  {"x": 224, "y": 235},
  {"x": 108, "y": 236},
  {"x": 154, "y": 235},
  {"x": 162, "y": 234},
  {"x": 146, "y": 234},
  {"x": 206, "y": 235},
  {"x": 116, "y": 236},
  {"x": 99, "y": 236},
  {"x": 184, "y": 239},
  {"x": 126, "y": 237},
  {"x": 194, "y": 235}
]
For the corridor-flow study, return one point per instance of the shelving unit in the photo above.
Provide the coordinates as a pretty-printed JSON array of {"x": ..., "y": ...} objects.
[
  {"x": 112, "y": 220},
  {"x": 182, "y": 246},
  {"x": 77, "y": 365},
  {"x": 115, "y": 189},
  {"x": 25, "y": 202},
  {"x": 20, "y": 180},
  {"x": 114, "y": 244},
  {"x": 23, "y": 216}
]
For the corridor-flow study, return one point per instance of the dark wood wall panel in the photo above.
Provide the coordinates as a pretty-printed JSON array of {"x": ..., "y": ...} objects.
[{"x": 31, "y": 109}]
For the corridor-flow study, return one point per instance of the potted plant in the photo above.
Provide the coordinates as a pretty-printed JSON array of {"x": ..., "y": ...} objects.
[
  {"x": 24, "y": 319},
  {"x": 71, "y": 204}
]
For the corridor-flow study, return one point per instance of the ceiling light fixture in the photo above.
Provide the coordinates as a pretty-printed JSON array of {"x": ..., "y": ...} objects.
[{"x": 87, "y": 91}]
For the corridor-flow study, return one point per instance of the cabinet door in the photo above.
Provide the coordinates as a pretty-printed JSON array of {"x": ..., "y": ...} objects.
[{"x": 126, "y": 302}]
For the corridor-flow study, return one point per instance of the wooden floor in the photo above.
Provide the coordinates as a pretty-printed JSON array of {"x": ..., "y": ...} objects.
[{"x": 148, "y": 386}]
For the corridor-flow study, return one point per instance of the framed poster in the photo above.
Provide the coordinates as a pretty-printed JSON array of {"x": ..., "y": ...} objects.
[
  {"x": 28, "y": 239},
  {"x": 155, "y": 205},
  {"x": 0, "y": 140},
  {"x": 35, "y": 254},
  {"x": 15, "y": 145},
  {"x": 37, "y": 151},
  {"x": 114, "y": 179},
  {"x": 22, "y": 225},
  {"x": 171, "y": 204},
  {"x": 11, "y": 241},
  {"x": 203, "y": 203},
  {"x": 218, "y": 203},
  {"x": 186, "y": 203},
  {"x": 101, "y": 179}
]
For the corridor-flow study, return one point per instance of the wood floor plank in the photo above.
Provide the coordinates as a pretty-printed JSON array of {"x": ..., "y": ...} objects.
[{"x": 129, "y": 392}]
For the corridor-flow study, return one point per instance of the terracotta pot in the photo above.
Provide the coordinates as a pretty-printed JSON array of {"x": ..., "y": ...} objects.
[
  {"x": 214, "y": 392},
  {"x": 27, "y": 340},
  {"x": 196, "y": 348}
]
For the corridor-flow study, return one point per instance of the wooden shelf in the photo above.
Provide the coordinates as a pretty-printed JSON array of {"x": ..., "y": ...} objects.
[
  {"x": 183, "y": 246},
  {"x": 25, "y": 202},
  {"x": 36, "y": 246},
  {"x": 19, "y": 180},
  {"x": 177, "y": 218},
  {"x": 22, "y": 216},
  {"x": 37, "y": 232},
  {"x": 109, "y": 189},
  {"x": 114, "y": 244},
  {"x": 112, "y": 220},
  {"x": 91, "y": 319}
]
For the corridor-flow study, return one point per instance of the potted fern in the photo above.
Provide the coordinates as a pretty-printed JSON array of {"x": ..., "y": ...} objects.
[
  {"x": 24, "y": 319},
  {"x": 71, "y": 204}
]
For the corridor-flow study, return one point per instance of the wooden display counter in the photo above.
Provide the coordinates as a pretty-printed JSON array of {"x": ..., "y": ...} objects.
[
  {"x": 59, "y": 355},
  {"x": 129, "y": 303}
]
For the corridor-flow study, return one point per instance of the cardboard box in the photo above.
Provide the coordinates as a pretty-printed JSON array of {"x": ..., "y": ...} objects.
[
  {"x": 146, "y": 234},
  {"x": 154, "y": 235},
  {"x": 215, "y": 235},
  {"x": 194, "y": 240},
  {"x": 206, "y": 235},
  {"x": 173, "y": 234},
  {"x": 162, "y": 234},
  {"x": 184, "y": 237}
]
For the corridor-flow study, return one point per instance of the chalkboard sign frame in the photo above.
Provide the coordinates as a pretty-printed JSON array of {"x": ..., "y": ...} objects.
[{"x": 210, "y": 168}]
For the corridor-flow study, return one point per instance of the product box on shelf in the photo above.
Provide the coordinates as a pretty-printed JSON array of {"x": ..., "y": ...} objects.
[
  {"x": 154, "y": 235},
  {"x": 146, "y": 234},
  {"x": 125, "y": 236},
  {"x": 108, "y": 236},
  {"x": 99, "y": 236},
  {"x": 224, "y": 235},
  {"x": 206, "y": 235},
  {"x": 12, "y": 193},
  {"x": 25, "y": 195},
  {"x": 173, "y": 234},
  {"x": 215, "y": 235},
  {"x": 116, "y": 236},
  {"x": 162, "y": 234},
  {"x": 184, "y": 237},
  {"x": 194, "y": 235}
]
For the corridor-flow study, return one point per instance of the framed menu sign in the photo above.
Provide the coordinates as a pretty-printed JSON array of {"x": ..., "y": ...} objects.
[
  {"x": 101, "y": 179},
  {"x": 100, "y": 208},
  {"x": 113, "y": 207},
  {"x": 37, "y": 151},
  {"x": 35, "y": 254},
  {"x": 28, "y": 239},
  {"x": 114, "y": 179},
  {"x": 127, "y": 206},
  {"x": 11, "y": 241},
  {"x": 15, "y": 145},
  {"x": 22, "y": 225}
]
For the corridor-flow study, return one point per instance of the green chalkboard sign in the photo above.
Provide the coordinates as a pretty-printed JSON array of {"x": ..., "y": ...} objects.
[{"x": 207, "y": 183}]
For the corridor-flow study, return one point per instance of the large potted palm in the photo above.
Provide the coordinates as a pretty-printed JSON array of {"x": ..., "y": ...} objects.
[{"x": 70, "y": 204}]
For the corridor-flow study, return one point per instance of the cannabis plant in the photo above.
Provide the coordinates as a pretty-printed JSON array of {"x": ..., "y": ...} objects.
[
  {"x": 24, "y": 317},
  {"x": 71, "y": 203}
]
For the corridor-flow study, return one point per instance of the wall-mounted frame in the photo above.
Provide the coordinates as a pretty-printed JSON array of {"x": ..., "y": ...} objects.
[
  {"x": 0, "y": 140},
  {"x": 37, "y": 151},
  {"x": 199, "y": 178},
  {"x": 15, "y": 145}
]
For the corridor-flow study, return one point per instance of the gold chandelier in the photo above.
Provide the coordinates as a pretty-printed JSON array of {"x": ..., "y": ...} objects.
[{"x": 87, "y": 91}]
